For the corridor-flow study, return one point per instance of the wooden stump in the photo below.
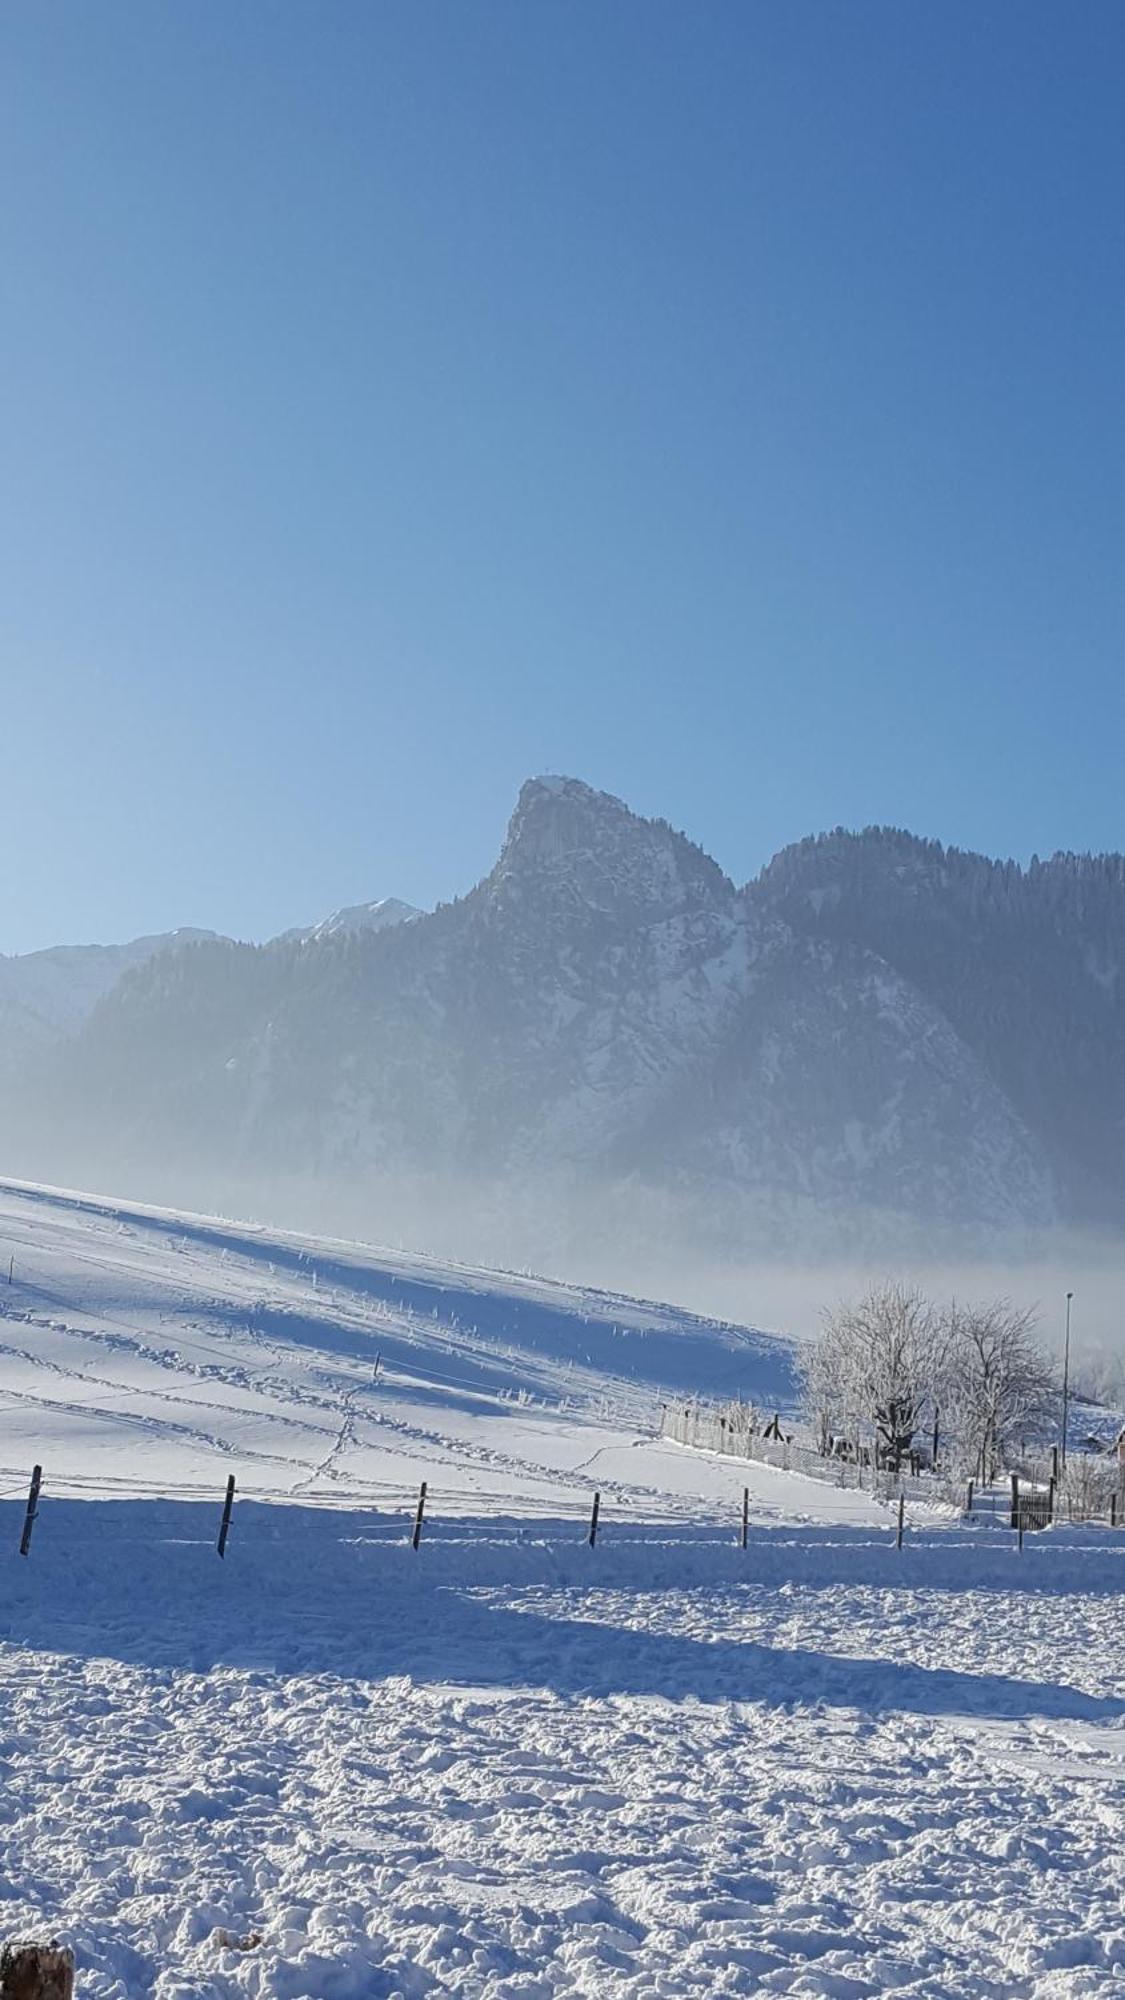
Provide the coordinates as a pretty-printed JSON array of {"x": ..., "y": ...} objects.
[{"x": 36, "y": 1972}]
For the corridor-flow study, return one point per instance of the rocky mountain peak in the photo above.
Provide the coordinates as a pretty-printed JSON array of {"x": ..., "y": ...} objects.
[{"x": 569, "y": 844}]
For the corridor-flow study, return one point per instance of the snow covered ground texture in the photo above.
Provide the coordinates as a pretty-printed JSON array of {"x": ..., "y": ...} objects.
[
  {"x": 507, "y": 1764},
  {"x": 145, "y": 1352}
]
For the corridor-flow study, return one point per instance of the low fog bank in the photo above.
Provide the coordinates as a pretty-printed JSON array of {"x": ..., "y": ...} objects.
[
  {"x": 790, "y": 1295},
  {"x": 772, "y": 1262},
  {"x": 791, "y": 1298}
]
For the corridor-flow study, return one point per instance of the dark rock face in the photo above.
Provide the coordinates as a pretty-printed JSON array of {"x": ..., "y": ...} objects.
[{"x": 36, "y": 1972}]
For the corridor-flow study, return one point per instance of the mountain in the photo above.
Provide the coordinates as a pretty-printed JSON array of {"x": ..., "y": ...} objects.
[
  {"x": 1026, "y": 966},
  {"x": 607, "y": 1039},
  {"x": 357, "y": 917},
  {"x": 47, "y": 995}
]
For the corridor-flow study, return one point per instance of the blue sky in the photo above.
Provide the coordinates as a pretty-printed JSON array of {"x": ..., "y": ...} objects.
[{"x": 719, "y": 402}]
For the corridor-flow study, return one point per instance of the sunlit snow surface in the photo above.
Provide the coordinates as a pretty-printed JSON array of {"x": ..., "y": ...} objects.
[
  {"x": 507, "y": 1764},
  {"x": 147, "y": 1352}
]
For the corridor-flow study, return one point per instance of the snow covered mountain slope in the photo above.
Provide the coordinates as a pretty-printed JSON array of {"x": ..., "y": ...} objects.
[
  {"x": 377, "y": 916},
  {"x": 603, "y": 1036},
  {"x": 143, "y": 1351},
  {"x": 1025, "y": 966},
  {"x": 842, "y": 1083}
]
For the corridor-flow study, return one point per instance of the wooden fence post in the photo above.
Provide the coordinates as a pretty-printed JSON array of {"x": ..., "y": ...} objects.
[
  {"x": 901, "y": 1514},
  {"x": 1113, "y": 1510},
  {"x": 32, "y": 1509},
  {"x": 36, "y": 1972},
  {"x": 745, "y": 1513},
  {"x": 594, "y": 1519},
  {"x": 1015, "y": 1499},
  {"x": 417, "y": 1535},
  {"x": 1051, "y": 1498},
  {"x": 969, "y": 1500},
  {"x": 224, "y": 1525}
]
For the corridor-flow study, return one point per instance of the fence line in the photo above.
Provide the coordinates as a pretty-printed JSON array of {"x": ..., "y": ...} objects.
[
  {"x": 372, "y": 1494},
  {"x": 1025, "y": 1511},
  {"x": 1086, "y": 1489},
  {"x": 738, "y": 1431}
]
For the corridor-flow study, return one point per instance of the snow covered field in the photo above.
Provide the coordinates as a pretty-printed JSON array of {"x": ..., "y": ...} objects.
[
  {"x": 142, "y": 1352},
  {"x": 507, "y": 1764}
]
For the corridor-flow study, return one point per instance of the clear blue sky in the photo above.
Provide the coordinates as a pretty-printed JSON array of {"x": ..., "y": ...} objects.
[{"x": 719, "y": 402}]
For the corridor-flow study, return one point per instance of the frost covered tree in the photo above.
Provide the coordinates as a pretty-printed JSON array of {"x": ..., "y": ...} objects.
[
  {"x": 871, "y": 1374},
  {"x": 890, "y": 1364},
  {"x": 1001, "y": 1385}
]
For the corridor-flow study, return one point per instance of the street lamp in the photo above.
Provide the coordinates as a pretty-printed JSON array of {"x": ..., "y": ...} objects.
[{"x": 1066, "y": 1374}]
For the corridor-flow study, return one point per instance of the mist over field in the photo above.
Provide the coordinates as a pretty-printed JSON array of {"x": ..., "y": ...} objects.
[{"x": 647, "y": 1244}]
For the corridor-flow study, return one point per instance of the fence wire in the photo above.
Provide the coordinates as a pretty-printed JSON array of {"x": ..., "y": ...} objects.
[{"x": 738, "y": 1430}]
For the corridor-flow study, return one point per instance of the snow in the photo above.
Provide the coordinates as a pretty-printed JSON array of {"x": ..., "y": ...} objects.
[
  {"x": 378, "y": 916},
  {"x": 142, "y": 1351},
  {"x": 507, "y": 1764}
]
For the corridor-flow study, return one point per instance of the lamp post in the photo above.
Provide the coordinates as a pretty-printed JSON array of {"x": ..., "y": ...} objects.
[{"x": 1066, "y": 1374}]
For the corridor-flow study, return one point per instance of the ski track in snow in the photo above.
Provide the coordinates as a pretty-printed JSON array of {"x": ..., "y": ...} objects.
[{"x": 508, "y": 1765}]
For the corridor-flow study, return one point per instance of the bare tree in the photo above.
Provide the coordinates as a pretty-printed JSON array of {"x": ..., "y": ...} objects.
[
  {"x": 870, "y": 1375},
  {"x": 943, "y": 1387},
  {"x": 1001, "y": 1385},
  {"x": 828, "y": 1395}
]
